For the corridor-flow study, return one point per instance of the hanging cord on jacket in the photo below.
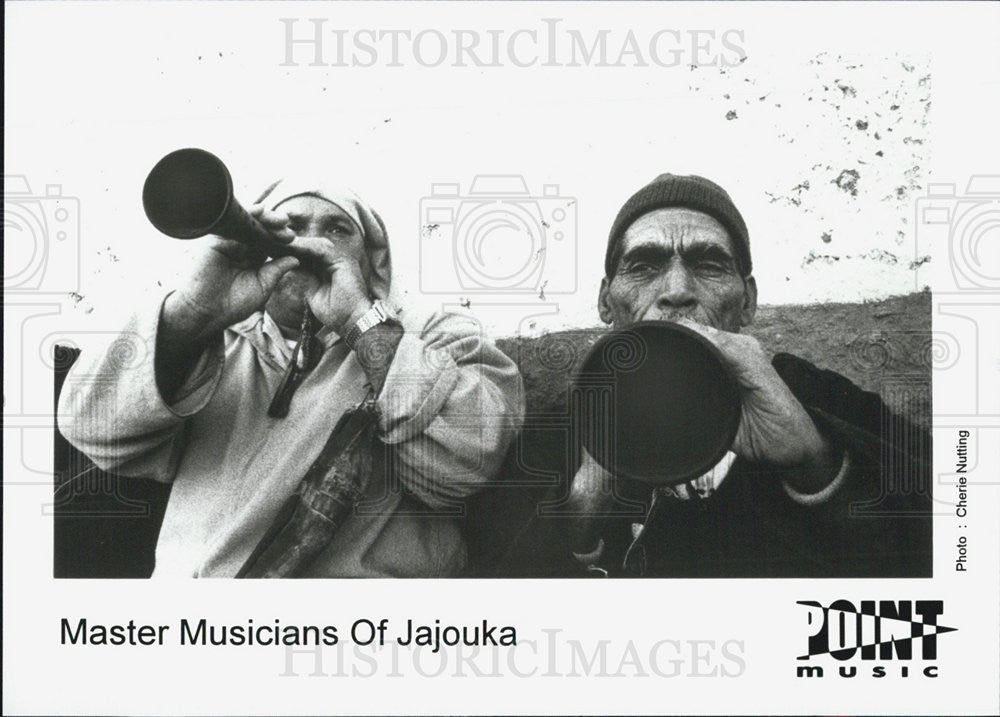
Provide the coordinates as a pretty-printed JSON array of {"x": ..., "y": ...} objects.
[
  {"x": 310, "y": 349},
  {"x": 331, "y": 487}
]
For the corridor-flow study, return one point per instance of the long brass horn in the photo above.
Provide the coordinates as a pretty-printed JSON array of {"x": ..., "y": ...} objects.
[{"x": 189, "y": 193}]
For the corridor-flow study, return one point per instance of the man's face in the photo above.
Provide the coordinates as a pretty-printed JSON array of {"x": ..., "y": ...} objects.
[
  {"x": 678, "y": 263},
  {"x": 310, "y": 216}
]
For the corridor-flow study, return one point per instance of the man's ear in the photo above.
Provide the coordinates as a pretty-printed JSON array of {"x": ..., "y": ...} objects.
[
  {"x": 749, "y": 301},
  {"x": 603, "y": 307}
]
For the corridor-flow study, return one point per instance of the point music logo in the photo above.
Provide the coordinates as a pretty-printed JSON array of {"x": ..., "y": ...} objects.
[{"x": 894, "y": 632}]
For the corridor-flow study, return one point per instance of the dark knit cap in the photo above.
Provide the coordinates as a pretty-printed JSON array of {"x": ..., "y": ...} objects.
[{"x": 690, "y": 192}]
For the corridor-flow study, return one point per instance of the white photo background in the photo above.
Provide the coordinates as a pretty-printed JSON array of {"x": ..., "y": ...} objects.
[{"x": 822, "y": 149}]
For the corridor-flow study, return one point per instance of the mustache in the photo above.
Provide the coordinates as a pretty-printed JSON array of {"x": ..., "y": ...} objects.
[{"x": 671, "y": 315}]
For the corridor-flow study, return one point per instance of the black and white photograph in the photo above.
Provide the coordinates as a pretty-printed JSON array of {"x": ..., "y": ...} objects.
[{"x": 517, "y": 302}]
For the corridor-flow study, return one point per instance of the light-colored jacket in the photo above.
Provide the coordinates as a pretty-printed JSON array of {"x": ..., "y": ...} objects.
[{"x": 451, "y": 406}]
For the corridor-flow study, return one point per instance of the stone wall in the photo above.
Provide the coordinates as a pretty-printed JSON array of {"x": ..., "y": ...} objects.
[{"x": 883, "y": 346}]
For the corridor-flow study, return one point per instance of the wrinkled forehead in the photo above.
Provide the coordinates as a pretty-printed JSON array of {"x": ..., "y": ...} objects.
[{"x": 674, "y": 227}]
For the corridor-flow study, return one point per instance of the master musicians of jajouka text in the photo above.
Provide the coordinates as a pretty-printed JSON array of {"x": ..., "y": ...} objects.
[{"x": 362, "y": 632}]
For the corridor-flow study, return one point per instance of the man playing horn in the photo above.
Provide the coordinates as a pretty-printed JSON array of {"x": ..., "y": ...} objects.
[
  {"x": 255, "y": 361},
  {"x": 820, "y": 480}
]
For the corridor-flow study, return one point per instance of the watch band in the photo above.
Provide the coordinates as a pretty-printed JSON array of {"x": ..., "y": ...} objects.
[{"x": 378, "y": 313}]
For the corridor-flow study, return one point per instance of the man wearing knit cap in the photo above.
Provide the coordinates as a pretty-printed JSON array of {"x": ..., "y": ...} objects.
[
  {"x": 679, "y": 251},
  {"x": 256, "y": 361},
  {"x": 812, "y": 453}
]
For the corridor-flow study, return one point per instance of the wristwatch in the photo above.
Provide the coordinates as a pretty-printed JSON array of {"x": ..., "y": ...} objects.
[{"x": 376, "y": 315}]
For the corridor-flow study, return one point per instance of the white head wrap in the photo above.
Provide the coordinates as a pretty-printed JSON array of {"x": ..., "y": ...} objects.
[{"x": 368, "y": 221}]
